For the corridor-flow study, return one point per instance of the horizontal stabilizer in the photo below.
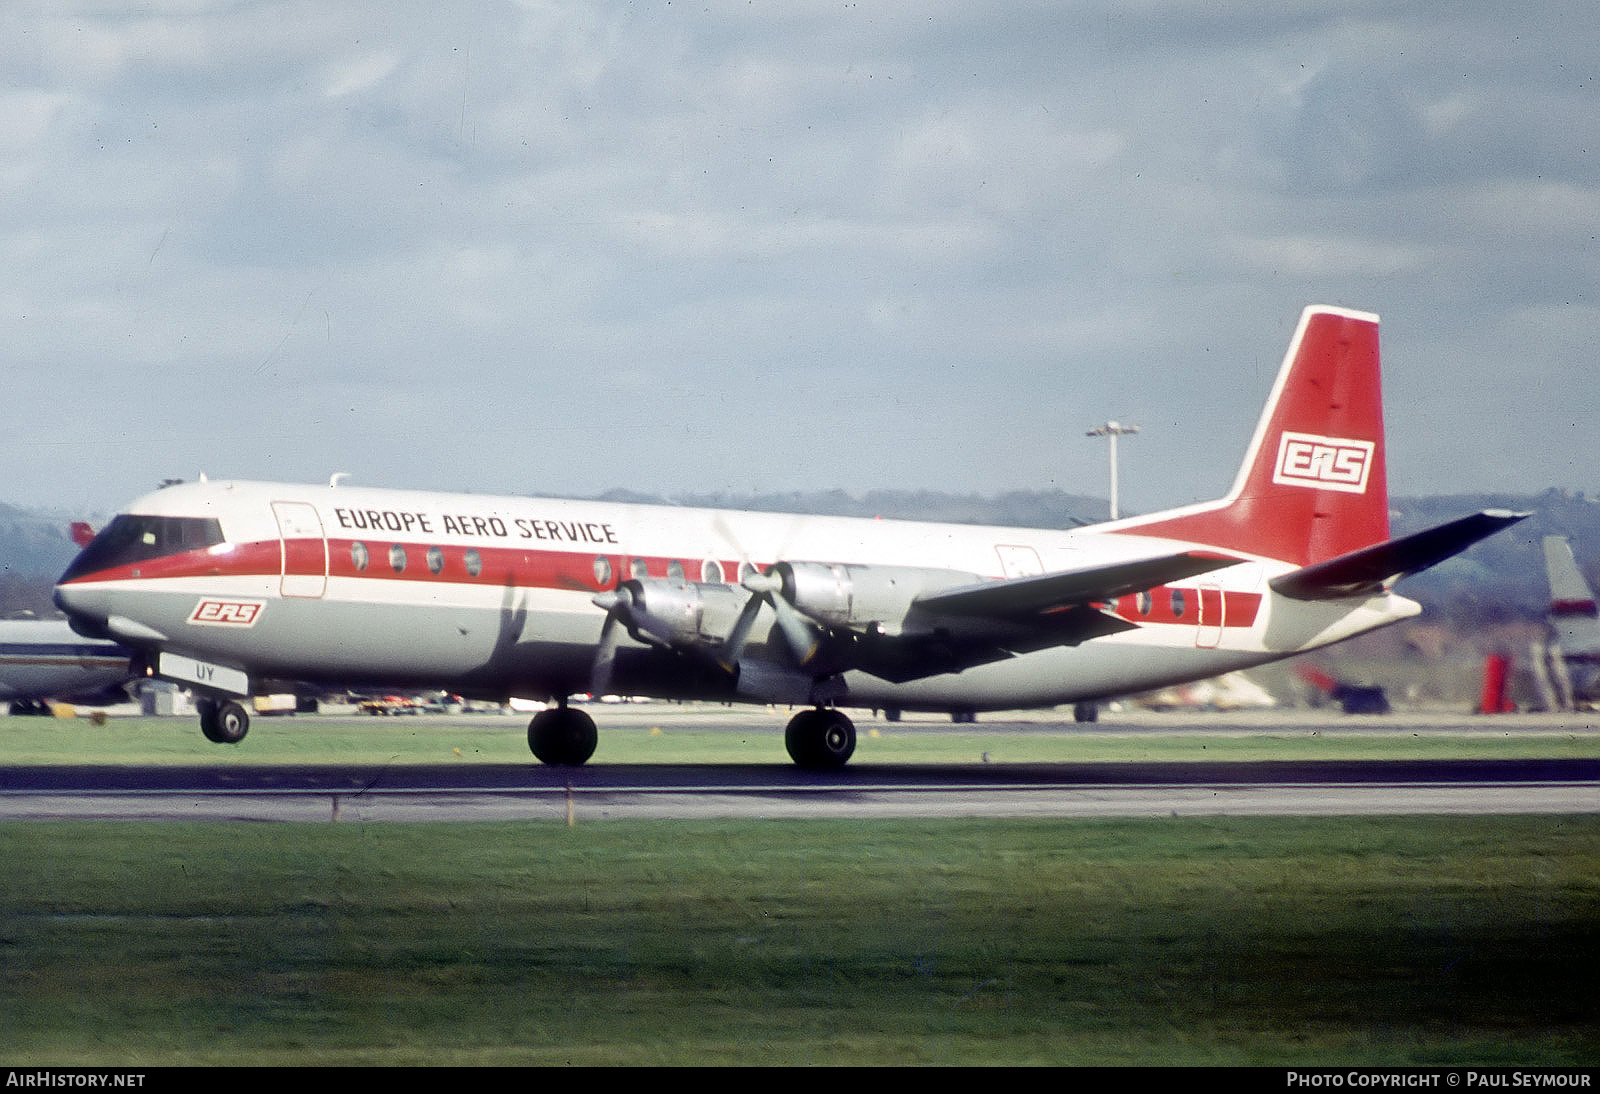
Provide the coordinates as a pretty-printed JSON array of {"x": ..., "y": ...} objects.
[
  {"x": 1021, "y": 597},
  {"x": 1362, "y": 572}
]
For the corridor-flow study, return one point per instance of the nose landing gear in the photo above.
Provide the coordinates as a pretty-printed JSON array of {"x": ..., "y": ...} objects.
[{"x": 223, "y": 721}]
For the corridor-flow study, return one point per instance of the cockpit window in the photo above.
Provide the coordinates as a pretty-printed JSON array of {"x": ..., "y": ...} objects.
[{"x": 131, "y": 538}]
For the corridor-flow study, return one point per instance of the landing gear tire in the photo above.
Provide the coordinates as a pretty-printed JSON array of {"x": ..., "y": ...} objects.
[
  {"x": 1086, "y": 712},
  {"x": 224, "y": 723},
  {"x": 562, "y": 737},
  {"x": 820, "y": 740}
]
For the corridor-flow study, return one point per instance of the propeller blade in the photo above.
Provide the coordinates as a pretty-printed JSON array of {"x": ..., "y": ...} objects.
[
  {"x": 616, "y": 605},
  {"x": 733, "y": 646},
  {"x": 605, "y": 659},
  {"x": 803, "y": 640}
]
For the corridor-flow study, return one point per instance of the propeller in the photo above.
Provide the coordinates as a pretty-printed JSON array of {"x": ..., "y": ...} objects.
[
  {"x": 618, "y": 606},
  {"x": 767, "y": 589}
]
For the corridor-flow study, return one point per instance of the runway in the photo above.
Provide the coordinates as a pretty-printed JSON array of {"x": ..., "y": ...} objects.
[{"x": 501, "y": 791}]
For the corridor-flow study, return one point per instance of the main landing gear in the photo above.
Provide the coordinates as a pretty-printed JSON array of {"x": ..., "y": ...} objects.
[
  {"x": 820, "y": 740},
  {"x": 223, "y": 720},
  {"x": 562, "y": 736}
]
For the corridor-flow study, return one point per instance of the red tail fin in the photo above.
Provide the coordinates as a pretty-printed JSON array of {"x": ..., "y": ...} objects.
[{"x": 1313, "y": 485}]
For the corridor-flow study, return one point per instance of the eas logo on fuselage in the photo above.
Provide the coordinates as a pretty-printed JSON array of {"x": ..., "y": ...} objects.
[
  {"x": 227, "y": 613},
  {"x": 1323, "y": 463}
]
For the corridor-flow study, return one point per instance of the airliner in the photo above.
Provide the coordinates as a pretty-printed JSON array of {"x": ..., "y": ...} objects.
[
  {"x": 44, "y": 659},
  {"x": 222, "y": 585}
]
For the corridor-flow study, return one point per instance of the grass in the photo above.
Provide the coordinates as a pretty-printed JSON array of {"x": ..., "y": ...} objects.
[
  {"x": 1380, "y": 941},
  {"x": 755, "y": 735},
  {"x": 1337, "y": 941}
]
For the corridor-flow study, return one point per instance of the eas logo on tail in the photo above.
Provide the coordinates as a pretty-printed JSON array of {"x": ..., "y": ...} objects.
[
  {"x": 1323, "y": 463},
  {"x": 227, "y": 613}
]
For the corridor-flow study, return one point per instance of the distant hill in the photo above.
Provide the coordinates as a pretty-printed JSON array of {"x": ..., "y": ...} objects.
[
  {"x": 35, "y": 546},
  {"x": 1500, "y": 580},
  {"x": 34, "y": 541}
]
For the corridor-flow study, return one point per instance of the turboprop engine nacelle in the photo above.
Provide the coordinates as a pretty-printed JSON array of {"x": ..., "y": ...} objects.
[
  {"x": 860, "y": 597},
  {"x": 683, "y": 613}
]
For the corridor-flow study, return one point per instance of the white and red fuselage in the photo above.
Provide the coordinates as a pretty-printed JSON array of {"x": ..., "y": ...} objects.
[
  {"x": 495, "y": 596},
  {"x": 545, "y": 598}
]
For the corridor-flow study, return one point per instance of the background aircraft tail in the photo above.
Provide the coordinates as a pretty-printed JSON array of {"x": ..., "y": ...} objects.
[
  {"x": 1313, "y": 486},
  {"x": 1572, "y": 604}
]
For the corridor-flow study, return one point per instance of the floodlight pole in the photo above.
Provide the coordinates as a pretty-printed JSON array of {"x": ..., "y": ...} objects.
[{"x": 1111, "y": 431}]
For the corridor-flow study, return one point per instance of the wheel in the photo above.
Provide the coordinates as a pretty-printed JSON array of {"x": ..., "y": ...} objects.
[
  {"x": 207, "y": 709},
  {"x": 224, "y": 723},
  {"x": 1086, "y": 711},
  {"x": 820, "y": 740},
  {"x": 562, "y": 736}
]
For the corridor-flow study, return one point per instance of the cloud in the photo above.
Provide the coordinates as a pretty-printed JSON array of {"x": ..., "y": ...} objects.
[{"x": 522, "y": 246}]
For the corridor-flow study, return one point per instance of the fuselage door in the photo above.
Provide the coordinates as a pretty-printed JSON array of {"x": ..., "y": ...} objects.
[
  {"x": 1018, "y": 561},
  {"x": 1212, "y": 614},
  {"x": 304, "y": 550}
]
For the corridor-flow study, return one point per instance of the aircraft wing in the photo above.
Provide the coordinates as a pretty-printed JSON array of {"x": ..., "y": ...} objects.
[
  {"x": 912, "y": 656},
  {"x": 954, "y": 629},
  {"x": 1029, "y": 597}
]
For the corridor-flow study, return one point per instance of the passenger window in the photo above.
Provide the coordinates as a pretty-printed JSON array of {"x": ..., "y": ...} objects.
[
  {"x": 602, "y": 571},
  {"x": 638, "y": 569},
  {"x": 397, "y": 559},
  {"x": 359, "y": 555},
  {"x": 1178, "y": 603},
  {"x": 711, "y": 572},
  {"x": 675, "y": 570},
  {"x": 474, "y": 561},
  {"x": 435, "y": 560},
  {"x": 1143, "y": 602}
]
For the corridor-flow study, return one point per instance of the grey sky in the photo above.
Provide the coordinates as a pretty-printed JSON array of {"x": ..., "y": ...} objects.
[{"x": 563, "y": 247}]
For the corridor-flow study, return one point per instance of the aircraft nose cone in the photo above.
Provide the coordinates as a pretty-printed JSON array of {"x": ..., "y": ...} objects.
[{"x": 82, "y": 608}]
